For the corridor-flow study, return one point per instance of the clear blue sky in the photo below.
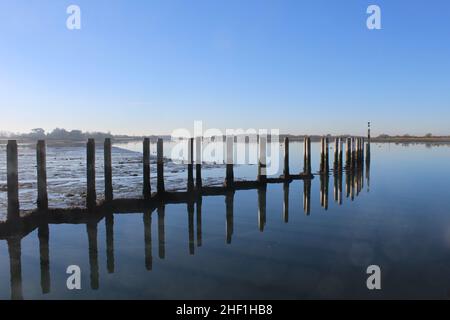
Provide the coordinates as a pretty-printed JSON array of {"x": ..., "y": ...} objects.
[{"x": 144, "y": 67}]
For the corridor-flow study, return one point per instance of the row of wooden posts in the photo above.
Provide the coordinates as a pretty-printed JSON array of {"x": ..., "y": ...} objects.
[{"x": 354, "y": 155}]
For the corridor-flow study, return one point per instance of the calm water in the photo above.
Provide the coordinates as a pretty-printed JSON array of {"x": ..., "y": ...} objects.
[{"x": 399, "y": 221}]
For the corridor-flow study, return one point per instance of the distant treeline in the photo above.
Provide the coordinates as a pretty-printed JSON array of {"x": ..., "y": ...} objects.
[
  {"x": 59, "y": 134},
  {"x": 65, "y": 135}
]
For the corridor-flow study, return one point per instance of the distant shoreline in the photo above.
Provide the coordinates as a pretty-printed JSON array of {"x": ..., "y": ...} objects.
[{"x": 314, "y": 138}]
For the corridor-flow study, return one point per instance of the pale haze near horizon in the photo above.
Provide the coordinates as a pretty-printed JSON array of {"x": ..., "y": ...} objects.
[{"x": 304, "y": 67}]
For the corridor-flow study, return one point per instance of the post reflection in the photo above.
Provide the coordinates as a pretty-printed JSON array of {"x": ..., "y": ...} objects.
[
  {"x": 307, "y": 196},
  {"x": 161, "y": 232},
  {"x": 91, "y": 228},
  {"x": 190, "y": 209},
  {"x": 286, "y": 202},
  {"x": 109, "y": 226},
  {"x": 262, "y": 191},
  {"x": 199, "y": 222},
  {"x": 15, "y": 267},
  {"x": 148, "y": 240},
  {"x": 229, "y": 203},
  {"x": 324, "y": 181},
  {"x": 43, "y": 235}
]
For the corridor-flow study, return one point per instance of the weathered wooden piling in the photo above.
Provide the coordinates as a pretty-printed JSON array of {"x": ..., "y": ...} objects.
[
  {"x": 190, "y": 178},
  {"x": 44, "y": 255},
  {"x": 336, "y": 154},
  {"x": 41, "y": 165},
  {"x": 348, "y": 153},
  {"x": 262, "y": 169},
  {"x": 307, "y": 155},
  {"x": 286, "y": 173},
  {"x": 160, "y": 167},
  {"x": 91, "y": 195},
  {"x": 324, "y": 156},
  {"x": 108, "y": 170},
  {"x": 198, "y": 163},
  {"x": 12, "y": 180},
  {"x": 340, "y": 154},
  {"x": 229, "y": 180},
  {"x": 147, "y": 189}
]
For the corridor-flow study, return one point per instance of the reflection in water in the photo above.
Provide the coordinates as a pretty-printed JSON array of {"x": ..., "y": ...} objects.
[
  {"x": 354, "y": 184},
  {"x": 307, "y": 196},
  {"x": 199, "y": 222},
  {"x": 43, "y": 235},
  {"x": 161, "y": 232},
  {"x": 262, "y": 192},
  {"x": 286, "y": 202},
  {"x": 109, "y": 226},
  {"x": 91, "y": 228},
  {"x": 229, "y": 204},
  {"x": 148, "y": 240},
  {"x": 15, "y": 265}
]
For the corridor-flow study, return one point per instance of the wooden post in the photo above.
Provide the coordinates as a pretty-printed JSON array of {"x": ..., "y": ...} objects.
[
  {"x": 340, "y": 155},
  {"x": 108, "y": 170},
  {"x": 91, "y": 197},
  {"x": 12, "y": 180},
  {"x": 307, "y": 155},
  {"x": 147, "y": 189},
  {"x": 262, "y": 170},
  {"x": 327, "y": 155},
  {"x": 190, "y": 182},
  {"x": 229, "y": 180},
  {"x": 336, "y": 154},
  {"x": 198, "y": 163},
  {"x": 42, "y": 200},
  {"x": 160, "y": 166},
  {"x": 348, "y": 153},
  {"x": 286, "y": 158}
]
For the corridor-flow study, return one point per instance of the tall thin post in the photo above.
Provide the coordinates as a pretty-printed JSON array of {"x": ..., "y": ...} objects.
[
  {"x": 160, "y": 166},
  {"x": 190, "y": 182},
  {"x": 348, "y": 153},
  {"x": 286, "y": 158},
  {"x": 336, "y": 154},
  {"x": 42, "y": 200},
  {"x": 91, "y": 198},
  {"x": 198, "y": 163},
  {"x": 12, "y": 180},
  {"x": 262, "y": 170},
  {"x": 108, "y": 169},
  {"x": 146, "y": 190},
  {"x": 307, "y": 155},
  {"x": 229, "y": 180}
]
